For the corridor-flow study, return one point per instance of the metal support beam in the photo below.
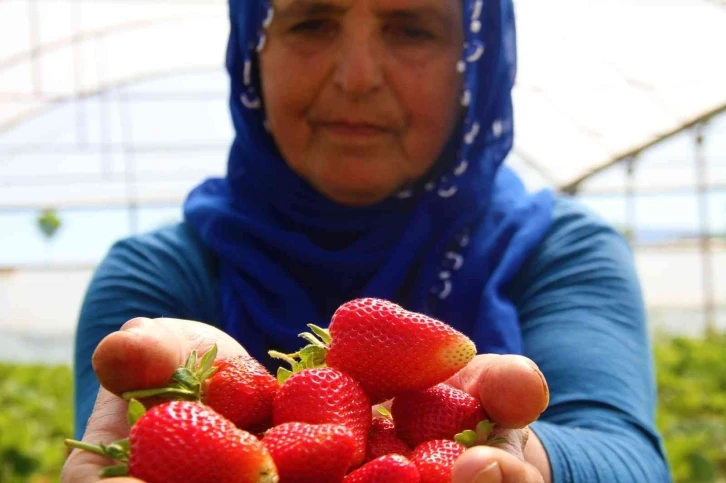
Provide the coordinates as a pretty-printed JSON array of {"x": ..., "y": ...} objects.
[{"x": 701, "y": 166}]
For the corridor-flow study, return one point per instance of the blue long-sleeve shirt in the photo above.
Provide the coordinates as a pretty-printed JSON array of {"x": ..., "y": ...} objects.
[{"x": 580, "y": 308}]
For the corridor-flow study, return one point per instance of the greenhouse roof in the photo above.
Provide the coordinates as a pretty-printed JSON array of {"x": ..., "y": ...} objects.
[{"x": 598, "y": 80}]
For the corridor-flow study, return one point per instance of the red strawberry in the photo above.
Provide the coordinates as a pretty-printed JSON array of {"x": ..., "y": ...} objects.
[
  {"x": 187, "y": 441},
  {"x": 435, "y": 459},
  {"x": 315, "y": 453},
  {"x": 439, "y": 412},
  {"x": 325, "y": 396},
  {"x": 382, "y": 440},
  {"x": 387, "y": 349},
  {"x": 386, "y": 469},
  {"x": 242, "y": 390},
  {"x": 238, "y": 388}
]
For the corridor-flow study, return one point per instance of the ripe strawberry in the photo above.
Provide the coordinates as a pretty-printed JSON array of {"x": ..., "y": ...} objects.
[
  {"x": 185, "y": 440},
  {"x": 315, "y": 453},
  {"x": 435, "y": 459},
  {"x": 386, "y": 469},
  {"x": 387, "y": 349},
  {"x": 325, "y": 396},
  {"x": 439, "y": 412},
  {"x": 238, "y": 388},
  {"x": 382, "y": 440}
]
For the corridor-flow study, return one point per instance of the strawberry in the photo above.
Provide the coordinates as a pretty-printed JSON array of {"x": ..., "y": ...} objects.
[
  {"x": 387, "y": 349},
  {"x": 325, "y": 396},
  {"x": 385, "y": 469},
  {"x": 382, "y": 440},
  {"x": 435, "y": 459},
  {"x": 439, "y": 412},
  {"x": 239, "y": 388},
  {"x": 315, "y": 453},
  {"x": 186, "y": 440}
]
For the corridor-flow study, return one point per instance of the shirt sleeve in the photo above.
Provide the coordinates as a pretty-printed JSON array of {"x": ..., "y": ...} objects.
[
  {"x": 583, "y": 322},
  {"x": 160, "y": 274}
]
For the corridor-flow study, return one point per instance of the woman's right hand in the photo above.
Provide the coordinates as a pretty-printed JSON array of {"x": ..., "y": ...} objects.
[{"x": 142, "y": 355}]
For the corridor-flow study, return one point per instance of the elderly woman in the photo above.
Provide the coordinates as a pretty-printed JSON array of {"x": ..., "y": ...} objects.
[{"x": 370, "y": 136}]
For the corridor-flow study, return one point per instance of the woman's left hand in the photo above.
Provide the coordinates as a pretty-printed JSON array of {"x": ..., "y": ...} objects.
[{"x": 514, "y": 393}]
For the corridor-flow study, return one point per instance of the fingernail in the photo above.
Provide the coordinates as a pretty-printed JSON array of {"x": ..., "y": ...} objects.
[{"x": 490, "y": 474}]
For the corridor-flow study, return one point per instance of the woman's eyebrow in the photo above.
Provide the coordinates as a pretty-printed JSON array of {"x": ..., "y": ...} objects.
[
  {"x": 422, "y": 12},
  {"x": 297, "y": 8}
]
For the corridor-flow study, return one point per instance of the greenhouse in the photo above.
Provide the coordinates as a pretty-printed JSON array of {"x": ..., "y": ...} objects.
[{"x": 111, "y": 111}]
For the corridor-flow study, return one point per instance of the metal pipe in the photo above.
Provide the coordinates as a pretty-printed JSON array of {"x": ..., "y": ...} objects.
[{"x": 705, "y": 231}]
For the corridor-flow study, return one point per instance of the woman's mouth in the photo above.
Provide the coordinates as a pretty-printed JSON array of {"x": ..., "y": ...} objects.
[{"x": 353, "y": 129}]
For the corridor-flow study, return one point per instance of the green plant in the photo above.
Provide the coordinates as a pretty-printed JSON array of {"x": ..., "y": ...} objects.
[
  {"x": 692, "y": 405},
  {"x": 36, "y": 414}
]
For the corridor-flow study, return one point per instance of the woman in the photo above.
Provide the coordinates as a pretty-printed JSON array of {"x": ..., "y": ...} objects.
[{"x": 367, "y": 162}]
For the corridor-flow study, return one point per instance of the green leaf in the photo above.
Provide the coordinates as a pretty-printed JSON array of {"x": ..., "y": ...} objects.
[
  {"x": 283, "y": 374},
  {"x": 323, "y": 334},
  {"x": 484, "y": 427},
  {"x": 118, "y": 450},
  {"x": 24, "y": 464},
  {"x": 312, "y": 356},
  {"x": 312, "y": 339},
  {"x": 203, "y": 376},
  {"x": 468, "y": 438},
  {"x": 207, "y": 360},
  {"x": 48, "y": 222},
  {"x": 191, "y": 363},
  {"x": 384, "y": 411},
  {"x": 185, "y": 377},
  {"x": 279, "y": 355},
  {"x": 135, "y": 411}
]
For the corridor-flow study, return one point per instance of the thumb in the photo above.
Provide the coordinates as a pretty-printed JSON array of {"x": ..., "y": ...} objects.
[
  {"x": 511, "y": 388},
  {"x": 145, "y": 353},
  {"x": 484, "y": 464}
]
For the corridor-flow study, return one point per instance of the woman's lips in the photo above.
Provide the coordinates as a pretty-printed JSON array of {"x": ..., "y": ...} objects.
[{"x": 352, "y": 129}]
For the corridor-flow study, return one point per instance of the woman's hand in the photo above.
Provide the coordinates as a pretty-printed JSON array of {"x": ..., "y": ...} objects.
[
  {"x": 142, "y": 355},
  {"x": 145, "y": 353},
  {"x": 514, "y": 393}
]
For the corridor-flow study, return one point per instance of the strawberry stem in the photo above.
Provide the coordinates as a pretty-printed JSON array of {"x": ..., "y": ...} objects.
[
  {"x": 91, "y": 448},
  {"x": 187, "y": 381},
  {"x": 289, "y": 358},
  {"x": 118, "y": 470},
  {"x": 161, "y": 391}
]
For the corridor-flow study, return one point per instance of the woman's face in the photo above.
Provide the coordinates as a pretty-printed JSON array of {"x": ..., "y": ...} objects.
[{"x": 362, "y": 95}]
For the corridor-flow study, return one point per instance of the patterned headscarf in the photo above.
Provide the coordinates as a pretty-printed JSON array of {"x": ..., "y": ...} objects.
[{"x": 447, "y": 246}]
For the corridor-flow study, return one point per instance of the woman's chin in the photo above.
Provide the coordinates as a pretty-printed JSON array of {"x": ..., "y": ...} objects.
[{"x": 355, "y": 197}]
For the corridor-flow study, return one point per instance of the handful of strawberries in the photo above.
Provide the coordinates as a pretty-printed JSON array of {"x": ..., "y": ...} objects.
[{"x": 232, "y": 421}]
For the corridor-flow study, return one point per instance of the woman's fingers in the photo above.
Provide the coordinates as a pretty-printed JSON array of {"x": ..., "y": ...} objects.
[
  {"x": 511, "y": 388},
  {"x": 486, "y": 464},
  {"x": 107, "y": 424},
  {"x": 145, "y": 352}
]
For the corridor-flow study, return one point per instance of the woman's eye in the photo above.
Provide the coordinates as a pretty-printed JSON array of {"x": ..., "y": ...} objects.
[
  {"x": 411, "y": 34},
  {"x": 314, "y": 27}
]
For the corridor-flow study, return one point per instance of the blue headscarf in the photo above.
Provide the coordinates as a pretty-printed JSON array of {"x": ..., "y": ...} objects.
[{"x": 446, "y": 246}]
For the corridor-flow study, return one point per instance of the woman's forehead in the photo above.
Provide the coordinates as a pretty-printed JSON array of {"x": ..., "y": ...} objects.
[{"x": 432, "y": 7}]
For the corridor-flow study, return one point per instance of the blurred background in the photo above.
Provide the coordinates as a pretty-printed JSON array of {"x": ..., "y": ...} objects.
[{"x": 111, "y": 110}]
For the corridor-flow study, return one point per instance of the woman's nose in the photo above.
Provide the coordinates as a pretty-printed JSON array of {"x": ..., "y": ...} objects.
[{"x": 358, "y": 69}]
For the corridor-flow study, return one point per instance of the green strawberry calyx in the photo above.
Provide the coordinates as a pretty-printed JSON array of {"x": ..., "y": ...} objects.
[
  {"x": 309, "y": 357},
  {"x": 187, "y": 381},
  {"x": 482, "y": 436},
  {"x": 118, "y": 450}
]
